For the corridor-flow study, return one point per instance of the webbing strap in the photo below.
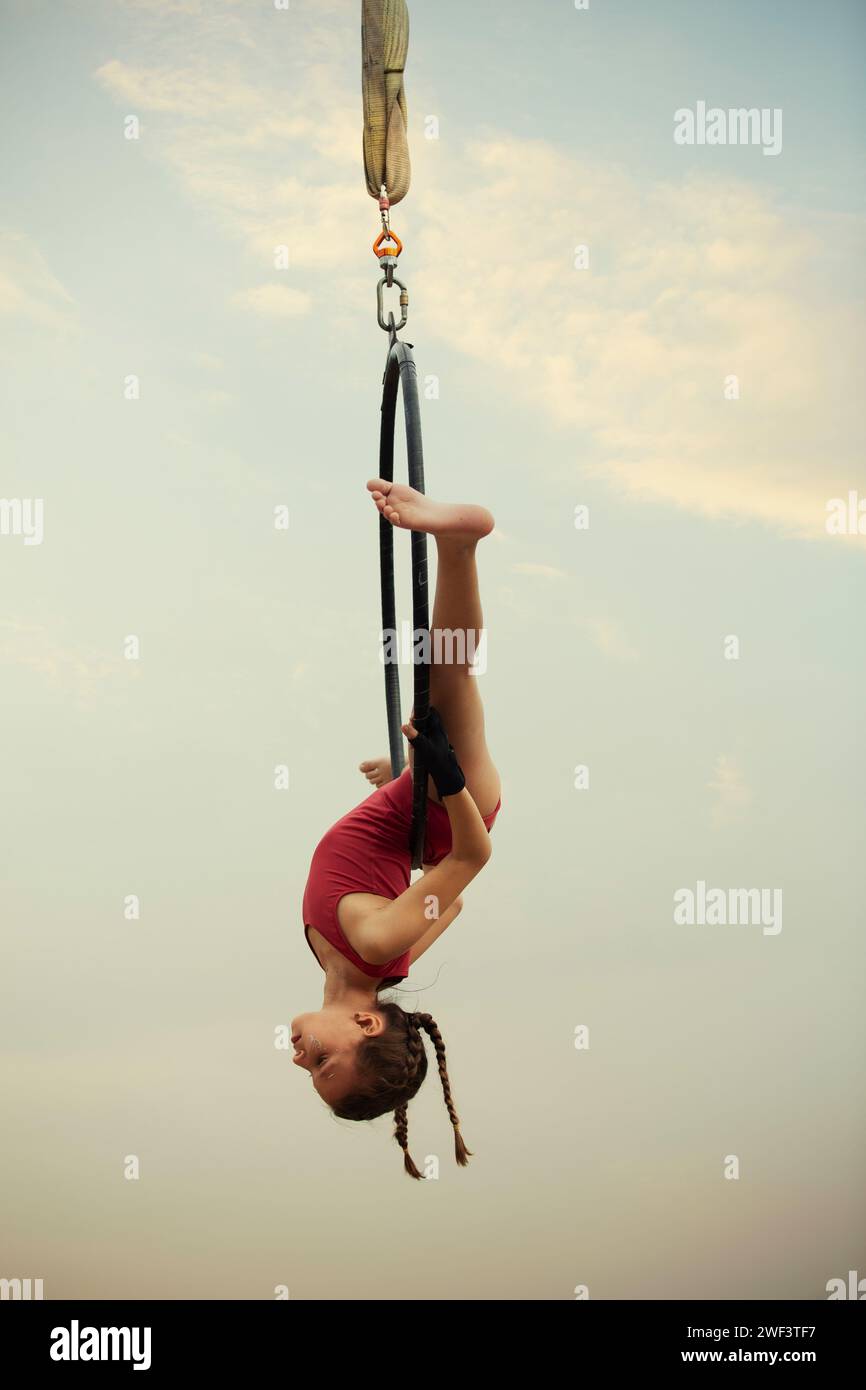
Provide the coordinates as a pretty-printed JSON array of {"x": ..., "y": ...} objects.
[{"x": 384, "y": 45}]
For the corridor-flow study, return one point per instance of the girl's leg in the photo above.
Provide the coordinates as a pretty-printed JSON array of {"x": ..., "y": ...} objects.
[
  {"x": 456, "y": 631},
  {"x": 455, "y": 626}
]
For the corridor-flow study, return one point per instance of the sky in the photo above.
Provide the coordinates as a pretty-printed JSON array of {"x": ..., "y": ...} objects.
[{"x": 691, "y": 378}]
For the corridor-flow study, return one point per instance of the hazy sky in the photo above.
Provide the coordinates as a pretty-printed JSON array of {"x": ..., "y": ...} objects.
[{"x": 608, "y": 387}]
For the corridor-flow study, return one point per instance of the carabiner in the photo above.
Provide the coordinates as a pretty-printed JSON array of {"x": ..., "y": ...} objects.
[{"x": 380, "y": 306}]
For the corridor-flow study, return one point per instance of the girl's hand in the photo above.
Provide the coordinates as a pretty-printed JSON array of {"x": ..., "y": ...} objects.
[{"x": 431, "y": 741}]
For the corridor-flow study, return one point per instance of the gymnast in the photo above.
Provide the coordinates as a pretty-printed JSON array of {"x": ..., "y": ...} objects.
[{"x": 364, "y": 921}]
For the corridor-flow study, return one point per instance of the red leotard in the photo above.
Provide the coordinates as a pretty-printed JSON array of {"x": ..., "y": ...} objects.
[{"x": 367, "y": 851}]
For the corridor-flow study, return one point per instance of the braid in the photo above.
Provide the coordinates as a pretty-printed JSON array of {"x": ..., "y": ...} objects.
[
  {"x": 414, "y": 1060},
  {"x": 391, "y": 1070},
  {"x": 401, "y": 1134},
  {"x": 461, "y": 1153}
]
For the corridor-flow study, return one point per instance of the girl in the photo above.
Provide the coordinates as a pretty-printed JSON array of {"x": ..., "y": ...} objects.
[{"x": 363, "y": 921}]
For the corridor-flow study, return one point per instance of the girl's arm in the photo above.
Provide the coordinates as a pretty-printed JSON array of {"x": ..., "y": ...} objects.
[
  {"x": 386, "y": 932},
  {"x": 436, "y": 928}
]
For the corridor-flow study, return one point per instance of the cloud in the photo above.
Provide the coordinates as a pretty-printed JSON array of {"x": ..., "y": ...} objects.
[
  {"x": 192, "y": 19},
  {"x": 731, "y": 794},
  {"x": 563, "y": 610},
  {"x": 208, "y": 361},
  {"x": 168, "y": 7},
  {"x": 28, "y": 289},
  {"x": 72, "y": 670},
  {"x": 543, "y": 571},
  {"x": 202, "y": 94},
  {"x": 609, "y": 637},
  {"x": 271, "y": 152},
  {"x": 691, "y": 282},
  {"x": 275, "y": 301}
]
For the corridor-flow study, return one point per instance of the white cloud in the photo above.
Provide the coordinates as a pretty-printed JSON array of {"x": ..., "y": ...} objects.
[
  {"x": 216, "y": 398},
  {"x": 543, "y": 571},
  {"x": 273, "y": 156},
  {"x": 73, "y": 670},
  {"x": 275, "y": 301},
  {"x": 28, "y": 288},
  {"x": 732, "y": 796},
  {"x": 208, "y": 361},
  {"x": 689, "y": 284},
  {"x": 198, "y": 94},
  {"x": 609, "y": 637},
  {"x": 690, "y": 281},
  {"x": 168, "y": 7}
]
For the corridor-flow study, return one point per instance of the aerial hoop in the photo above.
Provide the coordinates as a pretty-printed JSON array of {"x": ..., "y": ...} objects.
[{"x": 401, "y": 376}]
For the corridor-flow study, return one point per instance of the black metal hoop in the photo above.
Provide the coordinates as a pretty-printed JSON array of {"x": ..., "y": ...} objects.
[{"x": 402, "y": 374}]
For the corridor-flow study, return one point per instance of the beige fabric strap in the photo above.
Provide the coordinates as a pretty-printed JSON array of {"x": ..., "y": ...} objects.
[{"x": 384, "y": 43}]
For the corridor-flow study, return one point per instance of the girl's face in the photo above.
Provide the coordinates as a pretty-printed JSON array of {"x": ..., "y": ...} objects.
[{"x": 325, "y": 1045}]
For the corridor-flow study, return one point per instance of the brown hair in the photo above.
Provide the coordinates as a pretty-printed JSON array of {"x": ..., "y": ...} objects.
[{"x": 391, "y": 1067}]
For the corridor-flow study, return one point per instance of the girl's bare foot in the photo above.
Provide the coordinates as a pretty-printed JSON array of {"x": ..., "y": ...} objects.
[
  {"x": 413, "y": 511},
  {"x": 377, "y": 771}
]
